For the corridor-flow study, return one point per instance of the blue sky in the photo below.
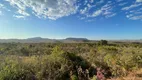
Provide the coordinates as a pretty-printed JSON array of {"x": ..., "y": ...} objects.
[{"x": 92, "y": 19}]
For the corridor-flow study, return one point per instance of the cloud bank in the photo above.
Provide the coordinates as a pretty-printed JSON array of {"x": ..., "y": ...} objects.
[{"x": 55, "y": 9}]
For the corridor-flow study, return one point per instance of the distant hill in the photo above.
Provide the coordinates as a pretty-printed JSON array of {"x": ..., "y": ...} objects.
[
  {"x": 35, "y": 38},
  {"x": 43, "y": 40},
  {"x": 67, "y": 40}
]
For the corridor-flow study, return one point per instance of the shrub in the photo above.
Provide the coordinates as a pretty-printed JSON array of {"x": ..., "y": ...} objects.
[{"x": 103, "y": 42}]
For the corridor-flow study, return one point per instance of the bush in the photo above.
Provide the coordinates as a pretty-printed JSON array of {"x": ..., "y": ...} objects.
[{"x": 103, "y": 42}]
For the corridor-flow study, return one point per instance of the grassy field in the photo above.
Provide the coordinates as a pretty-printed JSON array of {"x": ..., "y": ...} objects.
[{"x": 71, "y": 61}]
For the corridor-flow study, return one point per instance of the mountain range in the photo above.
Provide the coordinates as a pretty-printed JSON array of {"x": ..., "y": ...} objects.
[
  {"x": 44, "y": 40},
  {"x": 67, "y": 40}
]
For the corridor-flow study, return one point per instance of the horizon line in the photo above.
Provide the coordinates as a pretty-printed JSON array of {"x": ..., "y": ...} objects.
[{"x": 65, "y": 38}]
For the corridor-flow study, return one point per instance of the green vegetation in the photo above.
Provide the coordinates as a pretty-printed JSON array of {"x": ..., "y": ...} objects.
[{"x": 69, "y": 61}]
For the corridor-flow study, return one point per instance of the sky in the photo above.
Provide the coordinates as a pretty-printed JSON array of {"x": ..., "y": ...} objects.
[{"x": 59, "y": 19}]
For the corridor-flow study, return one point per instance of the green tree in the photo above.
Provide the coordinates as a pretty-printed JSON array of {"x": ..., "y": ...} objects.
[{"x": 103, "y": 42}]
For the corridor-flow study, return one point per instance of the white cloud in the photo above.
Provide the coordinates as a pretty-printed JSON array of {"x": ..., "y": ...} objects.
[
  {"x": 19, "y": 16},
  {"x": 82, "y": 18},
  {"x": 87, "y": 9},
  {"x": 134, "y": 17},
  {"x": 111, "y": 15},
  {"x": 97, "y": 13},
  {"x": 138, "y": 0},
  {"x": 1, "y": 7},
  {"x": 119, "y": 0},
  {"x": 134, "y": 11},
  {"x": 83, "y": 11},
  {"x": 106, "y": 11},
  {"x": 91, "y": 20},
  {"x": 103, "y": 11},
  {"x": 100, "y": 2},
  {"x": 22, "y": 12},
  {"x": 85, "y": 2},
  {"x": 131, "y": 6},
  {"x": 52, "y": 9},
  {"x": 0, "y": 13},
  {"x": 91, "y": 1},
  {"x": 122, "y": 4}
]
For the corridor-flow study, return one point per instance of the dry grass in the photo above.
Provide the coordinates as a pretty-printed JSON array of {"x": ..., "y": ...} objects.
[{"x": 136, "y": 75}]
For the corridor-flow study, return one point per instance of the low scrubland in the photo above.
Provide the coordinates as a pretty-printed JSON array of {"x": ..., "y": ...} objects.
[{"x": 70, "y": 61}]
